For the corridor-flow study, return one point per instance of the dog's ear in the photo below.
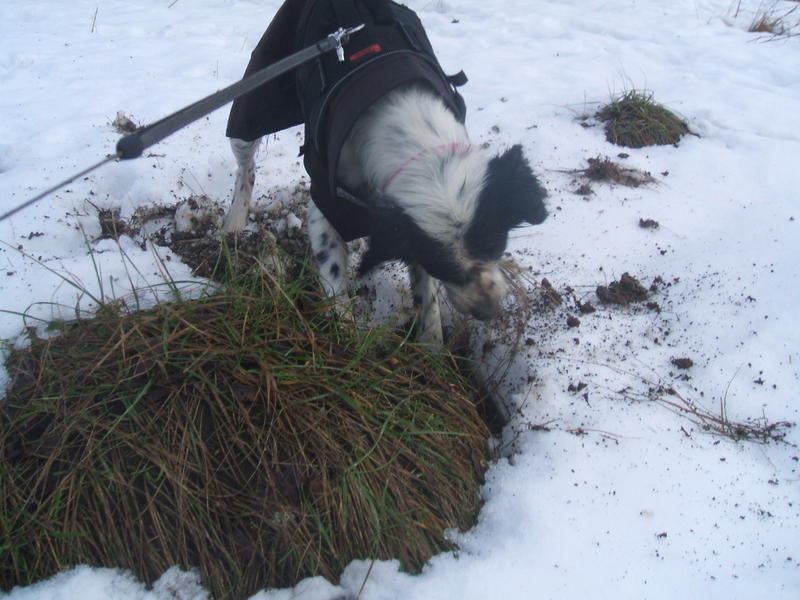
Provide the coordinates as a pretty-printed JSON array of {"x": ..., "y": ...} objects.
[{"x": 512, "y": 194}]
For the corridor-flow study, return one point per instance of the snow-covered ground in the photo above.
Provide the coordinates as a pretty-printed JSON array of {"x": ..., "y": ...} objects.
[{"x": 601, "y": 491}]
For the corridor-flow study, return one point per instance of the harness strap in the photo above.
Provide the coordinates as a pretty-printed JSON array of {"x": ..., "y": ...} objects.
[
  {"x": 346, "y": 12},
  {"x": 457, "y": 79}
]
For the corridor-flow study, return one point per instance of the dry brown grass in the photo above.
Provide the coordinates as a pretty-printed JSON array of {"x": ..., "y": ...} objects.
[
  {"x": 779, "y": 19},
  {"x": 604, "y": 169},
  {"x": 250, "y": 434}
]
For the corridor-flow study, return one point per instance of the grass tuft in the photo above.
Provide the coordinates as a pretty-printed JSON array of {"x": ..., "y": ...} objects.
[
  {"x": 634, "y": 120},
  {"x": 778, "y": 19},
  {"x": 251, "y": 434},
  {"x": 765, "y": 23}
]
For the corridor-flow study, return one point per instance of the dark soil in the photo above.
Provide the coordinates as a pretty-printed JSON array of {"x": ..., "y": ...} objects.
[
  {"x": 623, "y": 292},
  {"x": 111, "y": 224},
  {"x": 649, "y": 224},
  {"x": 201, "y": 244},
  {"x": 549, "y": 296},
  {"x": 213, "y": 257},
  {"x": 683, "y": 363}
]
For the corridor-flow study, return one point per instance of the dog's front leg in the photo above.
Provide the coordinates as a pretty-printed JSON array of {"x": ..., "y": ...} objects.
[
  {"x": 330, "y": 253},
  {"x": 245, "y": 153},
  {"x": 429, "y": 319}
]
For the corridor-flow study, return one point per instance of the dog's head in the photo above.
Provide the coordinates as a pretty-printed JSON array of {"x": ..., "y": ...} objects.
[{"x": 463, "y": 253}]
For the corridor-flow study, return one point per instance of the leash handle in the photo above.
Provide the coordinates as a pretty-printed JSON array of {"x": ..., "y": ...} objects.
[{"x": 132, "y": 145}]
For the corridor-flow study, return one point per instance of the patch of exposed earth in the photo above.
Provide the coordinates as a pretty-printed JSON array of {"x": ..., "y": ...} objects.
[{"x": 192, "y": 229}]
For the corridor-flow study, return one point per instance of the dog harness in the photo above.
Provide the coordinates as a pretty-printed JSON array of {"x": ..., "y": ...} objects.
[{"x": 329, "y": 95}]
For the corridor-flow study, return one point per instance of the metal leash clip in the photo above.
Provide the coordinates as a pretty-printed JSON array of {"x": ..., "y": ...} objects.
[{"x": 341, "y": 36}]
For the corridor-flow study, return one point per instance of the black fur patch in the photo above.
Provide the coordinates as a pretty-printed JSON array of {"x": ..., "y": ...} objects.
[
  {"x": 510, "y": 196},
  {"x": 395, "y": 236}
]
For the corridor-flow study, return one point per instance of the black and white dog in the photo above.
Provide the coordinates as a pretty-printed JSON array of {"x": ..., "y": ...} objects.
[
  {"x": 436, "y": 202},
  {"x": 445, "y": 208}
]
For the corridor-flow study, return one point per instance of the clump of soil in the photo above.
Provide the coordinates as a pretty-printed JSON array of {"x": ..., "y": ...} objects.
[
  {"x": 635, "y": 120},
  {"x": 549, "y": 296},
  {"x": 622, "y": 292},
  {"x": 112, "y": 225},
  {"x": 683, "y": 363},
  {"x": 649, "y": 224},
  {"x": 124, "y": 124}
]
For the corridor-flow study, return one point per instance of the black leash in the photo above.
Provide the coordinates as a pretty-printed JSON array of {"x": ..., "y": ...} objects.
[
  {"x": 132, "y": 145},
  {"x": 35, "y": 199}
]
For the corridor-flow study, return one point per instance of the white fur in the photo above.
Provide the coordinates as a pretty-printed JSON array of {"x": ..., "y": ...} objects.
[
  {"x": 245, "y": 154},
  {"x": 330, "y": 253},
  {"x": 411, "y": 141},
  {"x": 429, "y": 319}
]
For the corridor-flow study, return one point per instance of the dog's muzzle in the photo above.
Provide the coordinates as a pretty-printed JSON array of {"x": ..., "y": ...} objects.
[{"x": 481, "y": 297}]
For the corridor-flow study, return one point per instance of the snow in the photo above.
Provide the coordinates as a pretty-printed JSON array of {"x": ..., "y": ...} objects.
[{"x": 601, "y": 493}]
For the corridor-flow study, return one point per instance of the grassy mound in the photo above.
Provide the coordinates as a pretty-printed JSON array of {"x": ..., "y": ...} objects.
[
  {"x": 634, "y": 120},
  {"x": 249, "y": 433}
]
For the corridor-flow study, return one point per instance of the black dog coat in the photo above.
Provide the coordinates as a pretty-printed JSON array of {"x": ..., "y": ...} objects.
[{"x": 328, "y": 95}]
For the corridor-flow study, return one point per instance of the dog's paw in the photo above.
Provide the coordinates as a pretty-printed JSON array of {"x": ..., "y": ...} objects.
[
  {"x": 234, "y": 221},
  {"x": 431, "y": 335}
]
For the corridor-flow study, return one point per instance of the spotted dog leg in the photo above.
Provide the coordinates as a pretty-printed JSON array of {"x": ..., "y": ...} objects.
[
  {"x": 429, "y": 320},
  {"x": 245, "y": 153},
  {"x": 330, "y": 253}
]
